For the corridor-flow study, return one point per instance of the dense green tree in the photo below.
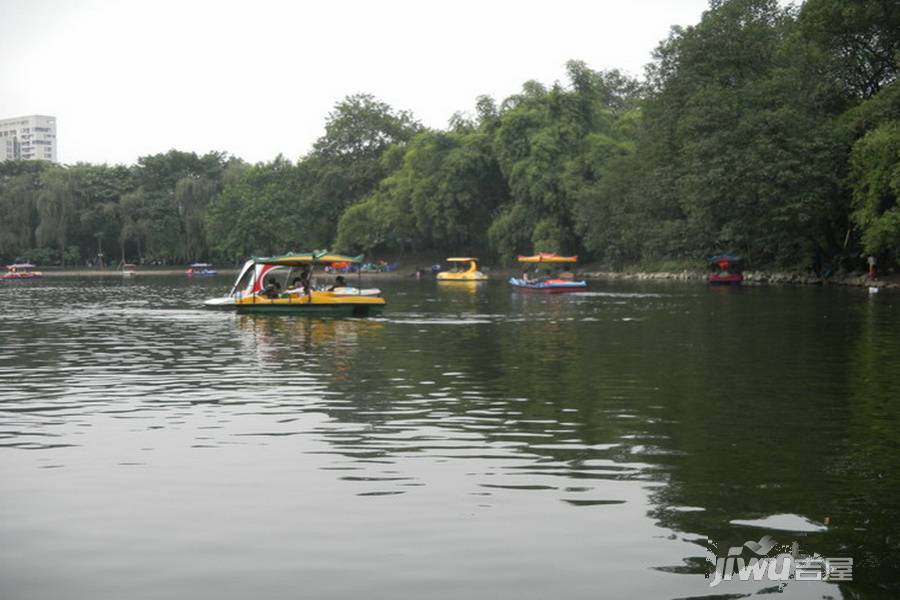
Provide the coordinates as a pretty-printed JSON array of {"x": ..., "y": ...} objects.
[
  {"x": 374, "y": 224},
  {"x": 858, "y": 41},
  {"x": 259, "y": 214},
  {"x": 134, "y": 222},
  {"x": 734, "y": 156},
  {"x": 192, "y": 195},
  {"x": 442, "y": 196},
  {"x": 98, "y": 191},
  {"x": 56, "y": 209},
  {"x": 764, "y": 129},
  {"x": 172, "y": 220},
  {"x": 551, "y": 145},
  {"x": 875, "y": 180},
  {"x": 17, "y": 204},
  {"x": 19, "y": 184},
  {"x": 348, "y": 161}
]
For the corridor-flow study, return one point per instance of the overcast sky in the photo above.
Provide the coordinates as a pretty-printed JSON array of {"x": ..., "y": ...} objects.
[{"x": 256, "y": 78}]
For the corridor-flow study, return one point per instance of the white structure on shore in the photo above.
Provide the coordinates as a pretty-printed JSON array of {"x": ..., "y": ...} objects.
[{"x": 28, "y": 138}]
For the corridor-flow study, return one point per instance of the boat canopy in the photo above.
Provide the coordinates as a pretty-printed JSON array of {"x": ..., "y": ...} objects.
[
  {"x": 729, "y": 258},
  {"x": 253, "y": 274},
  {"x": 548, "y": 257},
  {"x": 463, "y": 259},
  {"x": 293, "y": 259},
  {"x": 20, "y": 266},
  {"x": 726, "y": 263},
  {"x": 201, "y": 265}
]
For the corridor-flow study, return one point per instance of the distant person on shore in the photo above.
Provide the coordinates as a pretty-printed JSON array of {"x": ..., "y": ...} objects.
[{"x": 872, "y": 271}]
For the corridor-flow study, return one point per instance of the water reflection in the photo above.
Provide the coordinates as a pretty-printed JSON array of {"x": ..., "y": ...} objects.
[{"x": 607, "y": 434}]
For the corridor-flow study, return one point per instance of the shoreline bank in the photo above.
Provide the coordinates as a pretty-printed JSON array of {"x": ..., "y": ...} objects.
[{"x": 750, "y": 277}]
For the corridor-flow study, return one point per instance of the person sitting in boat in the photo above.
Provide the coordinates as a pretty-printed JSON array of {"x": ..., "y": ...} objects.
[
  {"x": 300, "y": 285},
  {"x": 306, "y": 278},
  {"x": 339, "y": 282},
  {"x": 272, "y": 290}
]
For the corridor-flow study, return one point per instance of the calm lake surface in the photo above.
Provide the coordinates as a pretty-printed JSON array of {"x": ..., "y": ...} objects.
[{"x": 472, "y": 443}]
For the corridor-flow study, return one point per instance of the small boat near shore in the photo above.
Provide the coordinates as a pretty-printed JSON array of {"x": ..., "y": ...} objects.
[
  {"x": 352, "y": 291},
  {"x": 725, "y": 269},
  {"x": 283, "y": 285},
  {"x": 201, "y": 269},
  {"x": 128, "y": 270},
  {"x": 561, "y": 281},
  {"x": 18, "y": 271},
  {"x": 547, "y": 285},
  {"x": 459, "y": 273}
]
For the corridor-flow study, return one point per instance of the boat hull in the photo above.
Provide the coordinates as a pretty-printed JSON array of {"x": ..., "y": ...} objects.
[
  {"x": 732, "y": 279},
  {"x": 331, "y": 310},
  {"x": 223, "y": 303},
  {"x": 318, "y": 303},
  {"x": 476, "y": 276},
  {"x": 352, "y": 291},
  {"x": 17, "y": 276},
  {"x": 552, "y": 286}
]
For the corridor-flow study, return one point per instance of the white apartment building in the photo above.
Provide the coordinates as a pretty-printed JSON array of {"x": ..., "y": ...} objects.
[{"x": 28, "y": 138}]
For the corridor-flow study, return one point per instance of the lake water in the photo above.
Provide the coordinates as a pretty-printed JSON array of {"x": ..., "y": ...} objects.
[{"x": 472, "y": 443}]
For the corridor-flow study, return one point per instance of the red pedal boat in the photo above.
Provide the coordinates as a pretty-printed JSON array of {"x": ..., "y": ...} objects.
[
  {"x": 725, "y": 269},
  {"x": 21, "y": 271}
]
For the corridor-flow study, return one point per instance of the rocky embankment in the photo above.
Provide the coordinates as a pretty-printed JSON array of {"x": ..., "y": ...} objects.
[{"x": 752, "y": 277}]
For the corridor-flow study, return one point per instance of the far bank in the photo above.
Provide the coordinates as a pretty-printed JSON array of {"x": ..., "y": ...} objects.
[{"x": 590, "y": 272}]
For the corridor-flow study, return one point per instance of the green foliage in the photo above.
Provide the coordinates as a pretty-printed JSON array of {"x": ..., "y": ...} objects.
[
  {"x": 875, "y": 181},
  {"x": 192, "y": 195},
  {"x": 363, "y": 137},
  {"x": 441, "y": 195},
  {"x": 553, "y": 144},
  {"x": 18, "y": 200},
  {"x": 764, "y": 130},
  {"x": 859, "y": 42},
  {"x": 56, "y": 208},
  {"x": 738, "y": 149},
  {"x": 257, "y": 214},
  {"x": 369, "y": 226},
  {"x": 362, "y": 127},
  {"x": 510, "y": 232}
]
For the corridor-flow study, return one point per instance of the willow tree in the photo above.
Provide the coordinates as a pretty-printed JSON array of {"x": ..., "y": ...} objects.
[
  {"x": 18, "y": 197},
  {"x": 192, "y": 195},
  {"x": 56, "y": 207}
]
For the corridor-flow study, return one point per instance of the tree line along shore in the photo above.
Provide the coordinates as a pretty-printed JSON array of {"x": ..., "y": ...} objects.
[{"x": 767, "y": 131}]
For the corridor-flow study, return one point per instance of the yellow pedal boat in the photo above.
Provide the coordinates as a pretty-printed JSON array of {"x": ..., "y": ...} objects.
[
  {"x": 459, "y": 273},
  {"x": 283, "y": 285}
]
